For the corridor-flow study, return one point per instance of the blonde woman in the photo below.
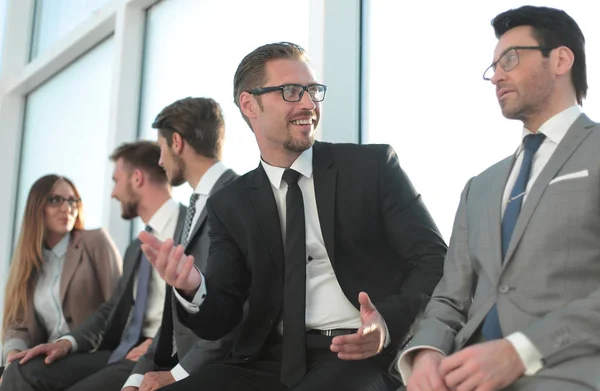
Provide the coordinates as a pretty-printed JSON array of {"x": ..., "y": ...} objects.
[{"x": 60, "y": 273}]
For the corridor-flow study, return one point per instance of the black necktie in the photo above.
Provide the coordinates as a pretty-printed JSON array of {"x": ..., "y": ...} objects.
[
  {"x": 133, "y": 331},
  {"x": 293, "y": 365},
  {"x": 491, "y": 325}
]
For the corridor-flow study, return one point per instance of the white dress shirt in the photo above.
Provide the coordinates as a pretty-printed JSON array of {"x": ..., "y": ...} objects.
[
  {"x": 326, "y": 305},
  {"x": 555, "y": 129},
  {"x": 46, "y": 298}
]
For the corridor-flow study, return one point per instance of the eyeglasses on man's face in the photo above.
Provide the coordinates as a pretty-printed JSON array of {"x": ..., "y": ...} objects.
[
  {"x": 294, "y": 92},
  {"x": 58, "y": 201},
  {"x": 509, "y": 59}
]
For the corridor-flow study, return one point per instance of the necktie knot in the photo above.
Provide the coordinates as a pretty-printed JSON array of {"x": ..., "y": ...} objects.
[
  {"x": 193, "y": 199},
  {"x": 290, "y": 176},
  {"x": 532, "y": 142}
]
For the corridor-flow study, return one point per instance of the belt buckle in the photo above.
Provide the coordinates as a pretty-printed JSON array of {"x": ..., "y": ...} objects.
[{"x": 328, "y": 333}]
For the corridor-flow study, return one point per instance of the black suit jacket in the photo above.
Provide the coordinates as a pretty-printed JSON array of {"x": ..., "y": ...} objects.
[
  {"x": 192, "y": 352},
  {"x": 378, "y": 234},
  {"x": 103, "y": 329}
]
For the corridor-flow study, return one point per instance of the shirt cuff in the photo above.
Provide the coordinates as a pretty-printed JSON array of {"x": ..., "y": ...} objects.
[
  {"x": 530, "y": 356},
  {"x": 405, "y": 361},
  {"x": 388, "y": 338},
  {"x": 179, "y": 373},
  {"x": 198, "y": 299},
  {"x": 13, "y": 344},
  {"x": 70, "y": 339},
  {"x": 134, "y": 380}
]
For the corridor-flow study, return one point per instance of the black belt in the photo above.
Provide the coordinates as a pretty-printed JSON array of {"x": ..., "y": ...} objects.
[{"x": 332, "y": 333}]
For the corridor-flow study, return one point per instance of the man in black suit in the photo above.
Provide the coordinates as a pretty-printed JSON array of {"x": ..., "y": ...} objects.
[
  {"x": 303, "y": 237},
  {"x": 190, "y": 135},
  {"x": 100, "y": 354}
]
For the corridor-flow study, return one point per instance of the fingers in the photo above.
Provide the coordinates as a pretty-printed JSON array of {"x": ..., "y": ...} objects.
[
  {"x": 16, "y": 356},
  {"x": 356, "y": 346},
  {"x": 457, "y": 376},
  {"x": 365, "y": 302},
  {"x": 53, "y": 356},
  {"x": 150, "y": 240},
  {"x": 173, "y": 258},
  {"x": 451, "y": 363},
  {"x": 31, "y": 353},
  {"x": 184, "y": 274}
]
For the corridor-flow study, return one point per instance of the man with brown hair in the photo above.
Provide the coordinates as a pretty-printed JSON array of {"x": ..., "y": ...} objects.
[
  {"x": 100, "y": 354},
  {"x": 190, "y": 134},
  {"x": 303, "y": 238}
]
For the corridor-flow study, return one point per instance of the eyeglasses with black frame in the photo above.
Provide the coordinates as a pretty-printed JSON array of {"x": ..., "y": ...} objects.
[
  {"x": 58, "y": 201},
  {"x": 510, "y": 59},
  {"x": 294, "y": 92}
]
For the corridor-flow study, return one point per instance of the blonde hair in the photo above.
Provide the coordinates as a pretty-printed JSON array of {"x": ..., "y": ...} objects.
[{"x": 27, "y": 258}]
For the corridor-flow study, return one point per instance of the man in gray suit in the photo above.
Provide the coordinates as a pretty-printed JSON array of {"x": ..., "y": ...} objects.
[
  {"x": 190, "y": 135},
  {"x": 100, "y": 353},
  {"x": 518, "y": 307}
]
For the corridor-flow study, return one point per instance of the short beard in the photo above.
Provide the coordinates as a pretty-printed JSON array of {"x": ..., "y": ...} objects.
[
  {"x": 538, "y": 92},
  {"x": 177, "y": 177},
  {"x": 298, "y": 146},
  {"x": 129, "y": 209}
]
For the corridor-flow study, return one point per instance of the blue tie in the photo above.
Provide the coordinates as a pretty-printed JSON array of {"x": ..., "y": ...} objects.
[
  {"x": 133, "y": 331},
  {"x": 491, "y": 325}
]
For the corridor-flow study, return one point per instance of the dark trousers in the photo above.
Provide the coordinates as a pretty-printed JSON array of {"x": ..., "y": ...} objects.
[
  {"x": 325, "y": 372},
  {"x": 76, "y": 372}
]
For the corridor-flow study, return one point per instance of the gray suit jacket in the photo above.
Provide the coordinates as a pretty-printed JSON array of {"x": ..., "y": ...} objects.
[
  {"x": 548, "y": 286},
  {"x": 192, "y": 352}
]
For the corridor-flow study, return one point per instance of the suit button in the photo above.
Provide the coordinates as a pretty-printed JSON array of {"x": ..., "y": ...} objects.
[{"x": 503, "y": 288}]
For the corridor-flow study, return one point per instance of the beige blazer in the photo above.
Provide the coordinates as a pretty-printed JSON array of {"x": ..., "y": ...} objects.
[{"x": 90, "y": 274}]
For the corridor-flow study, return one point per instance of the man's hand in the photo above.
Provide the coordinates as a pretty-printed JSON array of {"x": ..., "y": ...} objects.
[
  {"x": 52, "y": 351},
  {"x": 171, "y": 263},
  {"x": 368, "y": 340},
  {"x": 426, "y": 372},
  {"x": 155, "y": 380},
  {"x": 137, "y": 352},
  {"x": 483, "y": 367},
  {"x": 12, "y": 355}
]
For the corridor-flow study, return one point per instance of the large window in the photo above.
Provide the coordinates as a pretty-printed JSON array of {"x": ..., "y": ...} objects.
[
  {"x": 56, "y": 18},
  {"x": 424, "y": 92},
  {"x": 191, "y": 52},
  {"x": 66, "y": 130},
  {"x": 3, "y": 10}
]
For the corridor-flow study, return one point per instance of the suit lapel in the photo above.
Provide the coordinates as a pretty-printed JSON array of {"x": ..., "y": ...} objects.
[
  {"x": 324, "y": 177},
  {"x": 225, "y": 178},
  {"x": 494, "y": 209},
  {"x": 263, "y": 201},
  {"x": 72, "y": 260},
  {"x": 573, "y": 138}
]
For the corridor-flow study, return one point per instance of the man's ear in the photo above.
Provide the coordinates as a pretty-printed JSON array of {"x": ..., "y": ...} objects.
[
  {"x": 177, "y": 143},
  {"x": 248, "y": 104},
  {"x": 138, "y": 178},
  {"x": 564, "y": 60}
]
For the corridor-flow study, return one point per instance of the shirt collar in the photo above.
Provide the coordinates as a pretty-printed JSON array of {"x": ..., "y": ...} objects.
[
  {"x": 556, "y": 127},
  {"x": 210, "y": 177},
  {"x": 60, "y": 248},
  {"x": 303, "y": 164},
  {"x": 160, "y": 219}
]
